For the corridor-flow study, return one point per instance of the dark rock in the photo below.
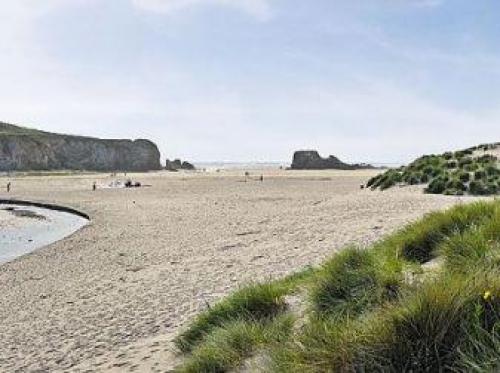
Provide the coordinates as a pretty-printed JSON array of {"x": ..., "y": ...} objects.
[
  {"x": 311, "y": 160},
  {"x": 24, "y": 149},
  {"x": 187, "y": 166},
  {"x": 177, "y": 165},
  {"x": 173, "y": 165}
]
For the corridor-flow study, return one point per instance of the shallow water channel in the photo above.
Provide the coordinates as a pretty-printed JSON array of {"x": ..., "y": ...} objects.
[{"x": 24, "y": 229}]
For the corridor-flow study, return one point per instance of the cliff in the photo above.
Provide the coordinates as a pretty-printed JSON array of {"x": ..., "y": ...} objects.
[
  {"x": 24, "y": 149},
  {"x": 311, "y": 160}
]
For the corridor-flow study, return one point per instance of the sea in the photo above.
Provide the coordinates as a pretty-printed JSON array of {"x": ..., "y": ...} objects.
[
  {"x": 228, "y": 165},
  {"x": 272, "y": 165}
]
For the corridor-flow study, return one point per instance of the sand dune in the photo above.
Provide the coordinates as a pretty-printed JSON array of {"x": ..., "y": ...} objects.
[{"x": 111, "y": 296}]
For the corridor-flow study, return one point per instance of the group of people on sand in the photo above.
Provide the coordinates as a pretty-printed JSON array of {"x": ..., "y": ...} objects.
[
  {"x": 129, "y": 183},
  {"x": 247, "y": 175}
]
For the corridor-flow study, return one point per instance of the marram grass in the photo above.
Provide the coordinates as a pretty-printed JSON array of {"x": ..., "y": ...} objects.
[
  {"x": 471, "y": 171},
  {"x": 362, "y": 314}
]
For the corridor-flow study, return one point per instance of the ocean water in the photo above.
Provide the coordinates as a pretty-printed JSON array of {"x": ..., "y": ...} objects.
[
  {"x": 228, "y": 165},
  {"x": 223, "y": 165}
]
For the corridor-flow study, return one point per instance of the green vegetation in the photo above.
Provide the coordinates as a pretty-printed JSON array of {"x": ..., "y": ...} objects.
[
  {"x": 347, "y": 285},
  {"x": 375, "y": 309},
  {"x": 7, "y": 129},
  {"x": 228, "y": 346},
  {"x": 10, "y": 129},
  {"x": 255, "y": 303},
  {"x": 472, "y": 171}
]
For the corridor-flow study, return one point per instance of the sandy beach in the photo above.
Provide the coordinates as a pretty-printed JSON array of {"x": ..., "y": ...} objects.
[{"x": 111, "y": 296}]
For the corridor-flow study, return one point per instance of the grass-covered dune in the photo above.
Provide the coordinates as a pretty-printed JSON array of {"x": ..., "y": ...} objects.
[
  {"x": 474, "y": 171},
  {"x": 425, "y": 299}
]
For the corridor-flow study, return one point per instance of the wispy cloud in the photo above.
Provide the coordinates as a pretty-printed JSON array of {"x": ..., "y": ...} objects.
[
  {"x": 429, "y": 3},
  {"x": 260, "y": 9}
]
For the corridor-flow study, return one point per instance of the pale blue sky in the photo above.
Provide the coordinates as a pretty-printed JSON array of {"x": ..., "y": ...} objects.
[{"x": 367, "y": 80}]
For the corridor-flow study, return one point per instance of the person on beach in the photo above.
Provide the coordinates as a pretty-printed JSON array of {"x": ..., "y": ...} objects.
[
  {"x": 94, "y": 187},
  {"x": 261, "y": 178},
  {"x": 8, "y": 187}
]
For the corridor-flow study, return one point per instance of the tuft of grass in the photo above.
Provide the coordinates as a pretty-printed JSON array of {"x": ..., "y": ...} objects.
[
  {"x": 347, "y": 285},
  {"x": 419, "y": 240},
  {"x": 481, "y": 352},
  {"x": 478, "y": 247},
  {"x": 229, "y": 345},
  {"x": 427, "y": 331},
  {"x": 253, "y": 303}
]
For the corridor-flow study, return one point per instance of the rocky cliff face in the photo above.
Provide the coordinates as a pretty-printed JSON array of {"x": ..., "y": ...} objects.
[
  {"x": 23, "y": 149},
  {"x": 311, "y": 160}
]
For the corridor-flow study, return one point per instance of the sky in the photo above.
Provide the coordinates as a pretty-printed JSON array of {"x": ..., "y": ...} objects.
[{"x": 380, "y": 81}]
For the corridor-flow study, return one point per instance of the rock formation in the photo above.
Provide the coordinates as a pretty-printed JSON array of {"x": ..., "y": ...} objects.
[
  {"x": 24, "y": 149},
  {"x": 187, "y": 166},
  {"x": 311, "y": 160},
  {"x": 177, "y": 165}
]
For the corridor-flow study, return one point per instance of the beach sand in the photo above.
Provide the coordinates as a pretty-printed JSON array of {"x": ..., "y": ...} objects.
[{"x": 111, "y": 296}]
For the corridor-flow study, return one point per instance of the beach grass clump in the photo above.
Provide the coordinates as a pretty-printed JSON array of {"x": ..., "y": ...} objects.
[
  {"x": 228, "y": 346},
  {"x": 418, "y": 241},
  {"x": 386, "y": 180},
  {"x": 323, "y": 345},
  {"x": 363, "y": 313},
  {"x": 437, "y": 186},
  {"x": 428, "y": 329},
  {"x": 464, "y": 176},
  {"x": 458, "y": 173},
  {"x": 475, "y": 248},
  {"x": 481, "y": 352},
  {"x": 346, "y": 285},
  {"x": 436, "y": 329},
  {"x": 253, "y": 303}
]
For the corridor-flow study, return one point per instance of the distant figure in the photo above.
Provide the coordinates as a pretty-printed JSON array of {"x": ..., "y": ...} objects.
[
  {"x": 261, "y": 178},
  {"x": 94, "y": 187},
  {"x": 8, "y": 187}
]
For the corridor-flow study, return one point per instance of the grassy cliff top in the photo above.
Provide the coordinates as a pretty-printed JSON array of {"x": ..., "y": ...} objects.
[
  {"x": 474, "y": 171},
  {"x": 7, "y": 129},
  {"x": 10, "y": 129}
]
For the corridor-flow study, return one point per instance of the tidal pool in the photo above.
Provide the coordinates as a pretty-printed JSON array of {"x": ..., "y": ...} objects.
[{"x": 24, "y": 229}]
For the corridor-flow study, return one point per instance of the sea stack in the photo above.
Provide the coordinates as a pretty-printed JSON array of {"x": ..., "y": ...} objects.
[
  {"x": 311, "y": 160},
  {"x": 177, "y": 165}
]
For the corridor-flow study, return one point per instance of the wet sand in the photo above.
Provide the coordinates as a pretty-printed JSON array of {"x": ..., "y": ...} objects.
[{"x": 111, "y": 296}]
